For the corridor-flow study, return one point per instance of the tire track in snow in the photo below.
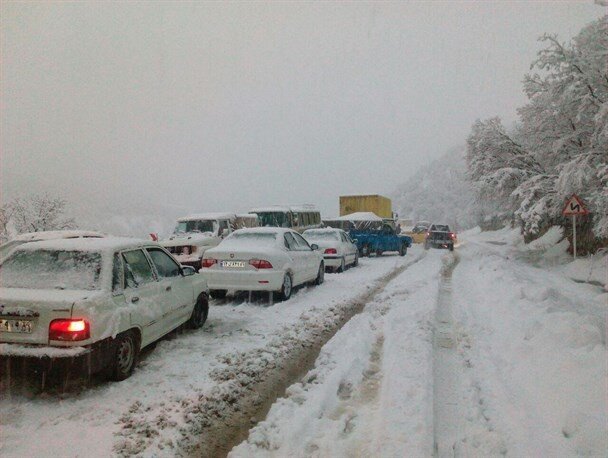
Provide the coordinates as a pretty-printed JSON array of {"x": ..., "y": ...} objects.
[
  {"x": 222, "y": 419},
  {"x": 460, "y": 424}
]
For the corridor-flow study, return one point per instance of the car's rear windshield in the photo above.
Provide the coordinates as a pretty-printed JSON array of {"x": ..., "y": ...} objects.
[
  {"x": 51, "y": 269},
  {"x": 441, "y": 228},
  {"x": 251, "y": 238},
  {"x": 322, "y": 236}
]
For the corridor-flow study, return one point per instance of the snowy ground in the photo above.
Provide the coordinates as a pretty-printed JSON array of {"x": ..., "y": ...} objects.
[
  {"x": 162, "y": 407},
  {"x": 496, "y": 349},
  {"x": 491, "y": 351}
]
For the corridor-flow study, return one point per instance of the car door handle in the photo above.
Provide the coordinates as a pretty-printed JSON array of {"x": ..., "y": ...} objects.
[
  {"x": 135, "y": 299},
  {"x": 168, "y": 288}
]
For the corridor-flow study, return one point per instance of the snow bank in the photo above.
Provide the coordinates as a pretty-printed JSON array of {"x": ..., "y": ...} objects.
[{"x": 539, "y": 351}]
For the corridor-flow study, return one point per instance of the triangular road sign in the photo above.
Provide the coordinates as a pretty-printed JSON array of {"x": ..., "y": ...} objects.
[{"x": 574, "y": 207}]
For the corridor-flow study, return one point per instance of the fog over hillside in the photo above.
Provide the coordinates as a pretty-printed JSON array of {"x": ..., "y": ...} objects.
[{"x": 439, "y": 192}]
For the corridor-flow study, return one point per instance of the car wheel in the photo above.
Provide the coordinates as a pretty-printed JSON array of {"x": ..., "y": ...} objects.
[
  {"x": 356, "y": 263},
  {"x": 320, "y": 275},
  {"x": 403, "y": 250},
  {"x": 199, "y": 313},
  {"x": 451, "y": 247},
  {"x": 378, "y": 252},
  {"x": 365, "y": 251},
  {"x": 218, "y": 293},
  {"x": 124, "y": 359},
  {"x": 285, "y": 292},
  {"x": 342, "y": 266}
]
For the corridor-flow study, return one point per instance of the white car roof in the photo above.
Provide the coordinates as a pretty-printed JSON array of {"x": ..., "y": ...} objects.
[
  {"x": 207, "y": 216},
  {"x": 263, "y": 230},
  {"x": 88, "y": 244},
  {"x": 53, "y": 235},
  {"x": 325, "y": 230}
]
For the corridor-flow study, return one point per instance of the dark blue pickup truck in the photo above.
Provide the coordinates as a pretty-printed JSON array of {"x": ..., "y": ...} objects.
[{"x": 380, "y": 240}]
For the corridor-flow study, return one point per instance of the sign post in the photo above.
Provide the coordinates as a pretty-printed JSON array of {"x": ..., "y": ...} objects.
[{"x": 574, "y": 206}]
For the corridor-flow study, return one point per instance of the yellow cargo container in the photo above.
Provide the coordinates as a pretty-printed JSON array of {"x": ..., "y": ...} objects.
[{"x": 380, "y": 205}]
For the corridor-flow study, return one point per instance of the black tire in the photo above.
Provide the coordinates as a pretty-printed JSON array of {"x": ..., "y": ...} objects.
[
  {"x": 342, "y": 267},
  {"x": 125, "y": 353},
  {"x": 356, "y": 263},
  {"x": 320, "y": 274},
  {"x": 285, "y": 293},
  {"x": 199, "y": 313},
  {"x": 403, "y": 250},
  {"x": 218, "y": 293},
  {"x": 378, "y": 252},
  {"x": 365, "y": 251},
  {"x": 451, "y": 247}
]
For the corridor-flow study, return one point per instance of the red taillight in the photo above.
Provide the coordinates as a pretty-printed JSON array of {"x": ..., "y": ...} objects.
[
  {"x": 260, "y": 264},
  {"x": 209, "y": 262},
  {"x": 331, "y": 251},
  {"x": 428, "y": 233},
  {"x": 452, "y": 235},
  {"x": 69, "y": 330}
]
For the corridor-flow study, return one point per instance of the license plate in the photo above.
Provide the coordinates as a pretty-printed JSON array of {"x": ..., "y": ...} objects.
[
  {"x": 16, "y": 326},
  {"x": 233, "y": 264}
]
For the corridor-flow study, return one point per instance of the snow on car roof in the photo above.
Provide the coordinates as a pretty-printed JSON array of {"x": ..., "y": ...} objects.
[
  {"x": 87, "y": 244},
  {"x": 325, "y": 230},
  {"x": 360, "y": 216},
  {"x": 52, "y": 235},
  {"x": 263, "y": 230},
  {"x": 207, "y": 216}
]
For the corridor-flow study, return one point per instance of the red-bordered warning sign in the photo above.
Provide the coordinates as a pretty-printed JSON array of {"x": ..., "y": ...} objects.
[{"x": 575, "y": 207}]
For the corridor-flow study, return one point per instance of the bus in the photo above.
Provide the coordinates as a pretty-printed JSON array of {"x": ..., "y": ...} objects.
[{"x": 298, "y": 218}]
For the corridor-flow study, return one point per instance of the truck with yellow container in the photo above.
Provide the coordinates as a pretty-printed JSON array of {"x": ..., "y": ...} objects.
[{"x": 374, "y": 203}]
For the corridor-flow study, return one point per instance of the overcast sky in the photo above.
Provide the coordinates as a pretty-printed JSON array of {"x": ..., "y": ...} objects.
[{"x": 223, "y": 107}]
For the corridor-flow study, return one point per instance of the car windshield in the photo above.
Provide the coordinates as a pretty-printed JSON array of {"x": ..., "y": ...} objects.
[
  {"x": 50, "y": 269},
  {"x": 199, "y": 225},
  {"x": 273, "y": 219},
  {"x": 8, "y": 247},
  {"x": 321, "y": 236}
]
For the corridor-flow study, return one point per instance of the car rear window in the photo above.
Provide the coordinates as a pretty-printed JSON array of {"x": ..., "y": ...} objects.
[
  {"x": 51, "y": 269},
  {"x": 325, "y": 235},
  {"x": 251, "y": 238}
]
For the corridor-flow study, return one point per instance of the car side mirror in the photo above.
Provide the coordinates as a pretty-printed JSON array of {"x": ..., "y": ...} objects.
[
  {"x": 188, "y": 271},
  {"x": 314, "y": 246}
]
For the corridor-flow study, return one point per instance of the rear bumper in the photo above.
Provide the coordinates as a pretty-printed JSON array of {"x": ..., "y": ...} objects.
[
  {"x": 271, "y": 280},
  {"x": 441, "y": 243},
  {"x": 20, "y": 358},
  {"x": 332, "y": 261}
]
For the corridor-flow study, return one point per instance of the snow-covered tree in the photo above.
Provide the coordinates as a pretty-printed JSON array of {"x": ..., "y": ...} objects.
[
  {"x": 560, "y": 145},
  {"x": 497, "y": 165},
  {"x": 40, "y": 212}
]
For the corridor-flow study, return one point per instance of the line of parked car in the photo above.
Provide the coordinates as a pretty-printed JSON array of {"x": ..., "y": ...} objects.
[
  {"x": 84, "y": 299},
  {"x": 92, "y": 302}
]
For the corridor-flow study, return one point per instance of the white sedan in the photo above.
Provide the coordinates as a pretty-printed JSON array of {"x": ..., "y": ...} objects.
[
  {"x": 96, "y": 300},
  {"x": 262, "y": 259},
  {"x": 339, "y": 251}
]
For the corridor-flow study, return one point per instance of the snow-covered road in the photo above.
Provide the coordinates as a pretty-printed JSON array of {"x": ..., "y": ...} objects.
[
  {"x": 191, "y": 381},
  {"x": 476, "y": 353},
  {"x": 491, "y": 350}
]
